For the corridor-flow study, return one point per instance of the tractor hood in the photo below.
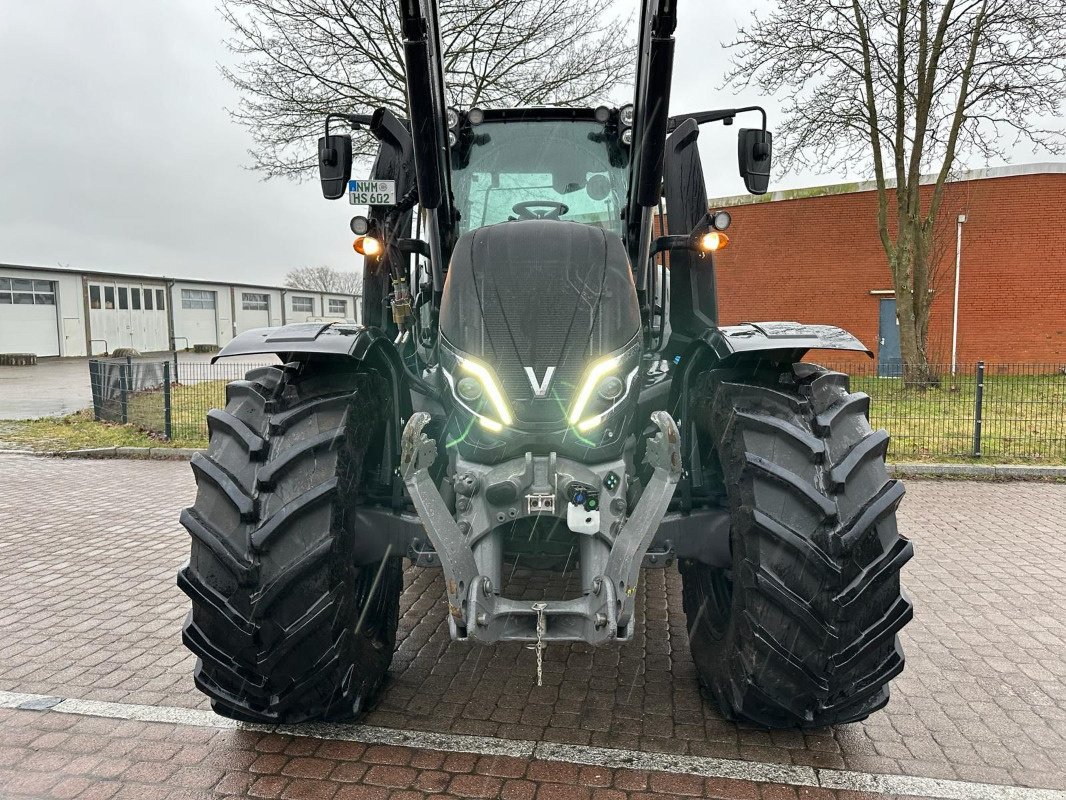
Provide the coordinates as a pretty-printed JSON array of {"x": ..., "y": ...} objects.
[{"x": 539, "y": 301}]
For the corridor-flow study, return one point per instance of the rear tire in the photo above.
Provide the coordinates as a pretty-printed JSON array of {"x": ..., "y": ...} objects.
[
  {"x": 802, "y": 630},
  {"x": 285, "y": 624}
]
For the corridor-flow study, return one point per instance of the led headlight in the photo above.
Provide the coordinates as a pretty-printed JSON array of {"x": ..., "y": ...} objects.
[
  {"x": 478, "y": 380},
  {"x": 611, "y": 388},
  {"x": 468, "y": 389},
  {"x": 603, "y": 380}
]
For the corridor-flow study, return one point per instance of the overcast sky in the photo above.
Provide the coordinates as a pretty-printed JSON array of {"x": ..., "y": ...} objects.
[{"x": 116, "y": 151}]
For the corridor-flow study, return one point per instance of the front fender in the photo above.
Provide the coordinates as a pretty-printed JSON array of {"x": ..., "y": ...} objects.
[
  {"x": 726, "y": 346},
  {"x": 306, "y": 338},
  {"x": 340, "y": 339},
  {"x": 791, "y": 337}
]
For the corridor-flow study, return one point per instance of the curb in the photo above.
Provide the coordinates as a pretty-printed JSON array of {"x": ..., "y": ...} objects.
[
  {"x": 134, "y": 453},
  {"x": 987, "y": 472}
]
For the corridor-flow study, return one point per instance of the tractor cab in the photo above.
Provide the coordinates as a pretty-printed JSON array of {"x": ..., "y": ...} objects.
[{"x": 555, "y": 164}]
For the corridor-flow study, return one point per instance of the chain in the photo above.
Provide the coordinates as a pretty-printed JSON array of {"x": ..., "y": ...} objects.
[{"x": 542, "y": 627}]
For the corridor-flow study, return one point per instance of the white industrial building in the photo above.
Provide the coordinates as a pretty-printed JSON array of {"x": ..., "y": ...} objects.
[{"x": 51, "y": 311}]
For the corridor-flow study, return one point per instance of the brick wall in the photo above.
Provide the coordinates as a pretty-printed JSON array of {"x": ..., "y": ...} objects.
[{"x": 817, "y": 259}]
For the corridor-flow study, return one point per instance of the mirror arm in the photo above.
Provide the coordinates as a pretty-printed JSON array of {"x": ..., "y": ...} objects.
[
  {"x": 725, "y": 115},
  {"x": 355, "y": 121}
]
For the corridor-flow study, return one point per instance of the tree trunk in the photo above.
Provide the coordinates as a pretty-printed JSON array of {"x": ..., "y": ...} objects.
[{"x": 910, "y": 274}]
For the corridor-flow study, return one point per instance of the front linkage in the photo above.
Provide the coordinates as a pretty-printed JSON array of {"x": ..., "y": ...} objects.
[{"x": 613, "y": 542}]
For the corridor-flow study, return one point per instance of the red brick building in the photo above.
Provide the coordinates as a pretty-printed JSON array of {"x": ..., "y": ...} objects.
[{"x": 814, "y": 255}]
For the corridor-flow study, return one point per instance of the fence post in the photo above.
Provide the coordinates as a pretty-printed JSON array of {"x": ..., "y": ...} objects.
[
  {"x": 167, "y": 423},
  {"x": 124, "y": 371},
  {"x": 978, "y": 408},
  {"x": 95, "y": 383}
]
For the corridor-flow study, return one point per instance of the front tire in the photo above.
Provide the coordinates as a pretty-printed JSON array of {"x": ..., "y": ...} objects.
[
  {"x": 285, "y": 624},
  {"x": 802, "y": 631}
]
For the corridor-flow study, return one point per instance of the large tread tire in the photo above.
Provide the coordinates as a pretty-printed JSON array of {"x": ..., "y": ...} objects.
[
  {"x": 285, "y": 624},
  {"x": 802, "y": 631}
]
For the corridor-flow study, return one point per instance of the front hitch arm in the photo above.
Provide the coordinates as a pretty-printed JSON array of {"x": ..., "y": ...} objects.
[
  {"x": 627, "y": 555},
  {"x": 417, "y": 454}
]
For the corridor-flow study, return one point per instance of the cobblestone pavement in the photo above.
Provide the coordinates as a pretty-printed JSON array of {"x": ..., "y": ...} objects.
[
  {"x": 65, "y": 756},
  {"x": 88, "y": 609}
]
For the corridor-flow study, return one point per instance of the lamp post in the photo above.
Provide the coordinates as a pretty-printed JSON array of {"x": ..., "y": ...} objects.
[{"x": 955, "y": 309}]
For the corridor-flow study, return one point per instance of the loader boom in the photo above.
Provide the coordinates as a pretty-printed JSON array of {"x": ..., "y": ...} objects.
[
  {"x": 429, "y": 129},
  {"x": 651, "y": 102}
]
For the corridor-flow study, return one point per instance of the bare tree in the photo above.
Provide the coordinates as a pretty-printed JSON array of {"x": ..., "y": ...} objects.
[
  {"x": 324, "y": 279},
  {"x": 302, "y": 58},
  {"x": 909, "y": 88}
]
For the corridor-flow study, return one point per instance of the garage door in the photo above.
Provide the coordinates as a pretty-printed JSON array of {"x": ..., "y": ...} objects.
[
  {"x": 199, "y": 322},
  {"x": 255, "y": 311},
  {"x": 28, "y": 320},
  {"x": 121, "y": 315}
]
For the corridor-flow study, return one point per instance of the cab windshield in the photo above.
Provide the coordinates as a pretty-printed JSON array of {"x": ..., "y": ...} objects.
[{"x": 557, "y": 169}]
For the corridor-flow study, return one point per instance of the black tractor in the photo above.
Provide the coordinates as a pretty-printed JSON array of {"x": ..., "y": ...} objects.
[{"x": 541, "y": 377}]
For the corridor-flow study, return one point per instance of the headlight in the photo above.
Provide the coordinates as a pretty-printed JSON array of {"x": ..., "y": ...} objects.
[
  {"x": 469, "y": 389},
  {"x": 604, "y": 381},
  {"x": 477, "y": 381}
]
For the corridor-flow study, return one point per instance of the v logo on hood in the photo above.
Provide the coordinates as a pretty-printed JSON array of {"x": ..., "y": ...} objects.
[{"x": 540, "y": 388}]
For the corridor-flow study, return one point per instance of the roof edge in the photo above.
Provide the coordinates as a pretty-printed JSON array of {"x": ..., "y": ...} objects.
[
  {"x": 806, "y": 193},
  {"x": 165, "y": 278}
]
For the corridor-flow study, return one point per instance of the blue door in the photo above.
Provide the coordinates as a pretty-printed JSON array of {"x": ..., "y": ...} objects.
[{"x": 889, "y": 360}]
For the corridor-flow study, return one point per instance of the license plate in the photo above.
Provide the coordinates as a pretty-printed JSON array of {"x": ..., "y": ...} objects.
[{"x": 372, "y": 193}]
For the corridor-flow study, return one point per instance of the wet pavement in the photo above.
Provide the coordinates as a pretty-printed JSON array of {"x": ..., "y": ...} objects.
[{"x": 89, "y": 611}]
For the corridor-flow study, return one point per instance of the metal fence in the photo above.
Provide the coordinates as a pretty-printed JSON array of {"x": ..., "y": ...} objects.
[
  {"x": 168, "y": 397},
  {"x": 998, "y": 412}
]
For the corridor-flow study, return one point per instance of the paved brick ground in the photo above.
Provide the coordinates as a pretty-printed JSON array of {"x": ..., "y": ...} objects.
[
  {"x": 88, "y": 609},
  {"x": 65, "y": 756}
]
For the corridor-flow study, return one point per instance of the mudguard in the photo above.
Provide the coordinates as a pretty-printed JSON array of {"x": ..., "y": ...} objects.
[
  {"x": 310, "y": 338},
  {"x": 340, "y": 340},
  {"x": 725, "y": 346},
  {"x": 790, "y": 337}
]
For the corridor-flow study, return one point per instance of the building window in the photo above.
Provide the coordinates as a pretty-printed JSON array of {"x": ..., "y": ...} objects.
[
  {"x": 251, "y": 301},
  {"x": 338, "y": 306},
  {"x": 109, "y": 297},
  {"x": 94, "y": 297},
  {"x": 148, "y": 300},
  {"x": 135, "y": 298},
  {"x": 197, "y": 298},
  {"x": 160, "y": 305},
  {"x": 22, "y": 292},
  {"x": 304, "y": 305},
  {"x": 123, "y": 297}
]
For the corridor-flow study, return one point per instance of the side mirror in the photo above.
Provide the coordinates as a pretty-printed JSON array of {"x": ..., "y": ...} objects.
[
  {"x": 753, "y": 154},
  {"x": 334, "y": 165}
]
